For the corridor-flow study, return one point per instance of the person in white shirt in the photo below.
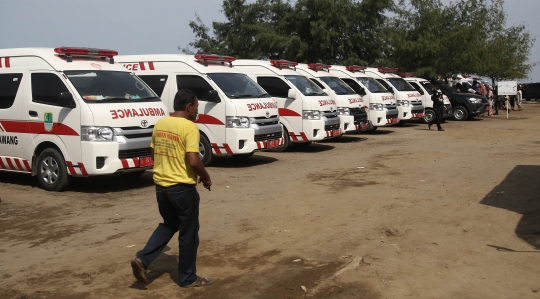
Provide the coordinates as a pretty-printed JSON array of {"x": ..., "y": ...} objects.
[{"x": 519, "y": 97}]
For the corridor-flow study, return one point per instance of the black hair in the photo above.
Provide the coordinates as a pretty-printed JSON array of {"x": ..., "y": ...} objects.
[{"x": 182, "y": 98}]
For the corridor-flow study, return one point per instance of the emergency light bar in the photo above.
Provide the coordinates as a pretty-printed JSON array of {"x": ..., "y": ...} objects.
[
  {"x": 355, "y": 68},
  {"x": 204, "y": 58},
  {"x": 387, "y": 70},
  {"x": 281, "y": 63},
  {"x": 319, "y": 66},
  {"x": 69, "y": 52},
  {"x": 407, "y": 74}
]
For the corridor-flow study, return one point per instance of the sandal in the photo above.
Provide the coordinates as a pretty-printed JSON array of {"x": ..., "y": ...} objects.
[{"x": 200, "y": 282}]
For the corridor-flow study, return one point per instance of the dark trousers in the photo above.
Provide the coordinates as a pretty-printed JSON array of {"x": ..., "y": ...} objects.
[
  {"x": 438, "y": 116},
  {"x": 179, "y": 207}
]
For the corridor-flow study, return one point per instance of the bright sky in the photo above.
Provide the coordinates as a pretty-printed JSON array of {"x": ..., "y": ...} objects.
[{"x": 149, "y": 27}]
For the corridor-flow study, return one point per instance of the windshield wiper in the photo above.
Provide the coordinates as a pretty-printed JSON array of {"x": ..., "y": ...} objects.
[
  {"x": 263, "y": 95},
  {"x": 148, "y": 99},
  {"x": 315, "y": 94},
  {"x": 108, "y": 100}
]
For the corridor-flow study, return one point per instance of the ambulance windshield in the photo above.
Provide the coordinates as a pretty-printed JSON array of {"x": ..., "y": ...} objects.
[
  {"x": 340, "y": 87},
  {"x": 372, "y": 85},
  {"x": 110, "y": 87},
  {"x": 305, "y": 86},
  {"x": 401, "y": 84},
  {"x": 237, "y": 86}
]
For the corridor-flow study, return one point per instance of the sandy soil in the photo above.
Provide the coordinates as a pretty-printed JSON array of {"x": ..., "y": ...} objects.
[{"x": 402, "y": 212}]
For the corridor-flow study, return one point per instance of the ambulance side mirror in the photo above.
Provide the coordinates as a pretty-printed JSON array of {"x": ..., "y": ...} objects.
[
  {"x": 213, "y": 96},
  {"x": 362, "y": 91},
  {"x": 66, "y": 100},
  {"x": 291, "y": 94}
]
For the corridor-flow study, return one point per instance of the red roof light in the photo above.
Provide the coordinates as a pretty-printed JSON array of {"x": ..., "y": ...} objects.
[
  {"x": 214, "y": 57},
  {"x": 281, "y": 63},
  {"x": 355, "y": 68},
  {"x": 407, "y": 74},
  {"x": 387, "y": 70},
  {"x": 318, "y": 66},
  {"x": 70, "y": 51}
]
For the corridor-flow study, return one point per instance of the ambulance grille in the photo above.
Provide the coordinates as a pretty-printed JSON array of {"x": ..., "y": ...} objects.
[
  {"x": 331, "y": 127},
  {"x": 138, "y": 135},
  {"x": 271, "y": 136},
  {"x": 136, "y": 128},
  {"x": 416, "y": 103},
  {"x": 265, "y": 121},
  {"x": 135, "y": 153}
]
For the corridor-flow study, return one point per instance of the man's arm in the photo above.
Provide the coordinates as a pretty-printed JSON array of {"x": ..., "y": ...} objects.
[{"x": 197, "y": 166}]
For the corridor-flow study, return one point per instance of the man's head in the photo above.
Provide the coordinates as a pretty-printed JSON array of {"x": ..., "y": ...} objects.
[{"x": 185, "y": 100}]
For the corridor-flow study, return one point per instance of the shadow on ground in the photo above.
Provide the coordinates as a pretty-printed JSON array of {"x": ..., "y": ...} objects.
[
  {"x": 520, "y": 192},
  {"x": 240, "y": 162}
]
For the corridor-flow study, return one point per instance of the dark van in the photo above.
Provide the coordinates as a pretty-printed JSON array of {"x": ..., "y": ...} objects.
[{"x": 531, "y": 91}]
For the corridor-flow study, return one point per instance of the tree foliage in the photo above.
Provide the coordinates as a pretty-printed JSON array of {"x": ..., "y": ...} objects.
[{"x": 466, "y": 36}]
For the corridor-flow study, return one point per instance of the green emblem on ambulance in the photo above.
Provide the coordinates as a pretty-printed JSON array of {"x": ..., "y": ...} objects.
[{"x": 48, "y": 120}]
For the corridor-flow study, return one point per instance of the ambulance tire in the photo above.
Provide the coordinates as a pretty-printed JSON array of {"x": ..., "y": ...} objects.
[
  {"x": 205, "y": 151},
  {"x": 52, "y": 171},
  {"x": 286, "y": 142},
  {"x": 428, "y": 116}
]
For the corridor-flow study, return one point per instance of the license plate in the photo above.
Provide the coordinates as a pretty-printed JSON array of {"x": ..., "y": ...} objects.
[
  {"x": 418, "y": 115},
  {"x": 335, "y": 133},
  {"x": 146, "y": 161},
  {"x": 272, "y": 143},
  {"x": 364, "y": 126},
  {"x": 392, "y": 120}
]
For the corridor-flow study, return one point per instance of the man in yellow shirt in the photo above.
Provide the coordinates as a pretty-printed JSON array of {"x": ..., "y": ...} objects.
[{"x": 175, "y": 147}]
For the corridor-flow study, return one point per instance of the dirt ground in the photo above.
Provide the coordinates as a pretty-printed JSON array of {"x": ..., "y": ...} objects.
[{"x": 402, "y": 212}]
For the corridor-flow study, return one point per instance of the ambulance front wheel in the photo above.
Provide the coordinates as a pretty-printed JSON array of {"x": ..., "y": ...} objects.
[
  {"x": 286, "y": 142},
  {"x": 52, "y": 171},
  {"x": 428, "y": 116},
  {"x": 205, "y": 151}
]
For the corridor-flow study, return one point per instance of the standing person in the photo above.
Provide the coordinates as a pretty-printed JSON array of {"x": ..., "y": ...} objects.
[
  {"x": 512, "y": 101},
  {"x": 175, "y": 148},
  {"x": 519, "y": 97},
  {"x": 496, "y": 100},
  {"x": 490, "y": 100},
  {"x": 437, "y": 106}
]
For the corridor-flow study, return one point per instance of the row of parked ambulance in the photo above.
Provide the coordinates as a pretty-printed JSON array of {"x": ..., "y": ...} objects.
[{"x": 68, "y": 112}]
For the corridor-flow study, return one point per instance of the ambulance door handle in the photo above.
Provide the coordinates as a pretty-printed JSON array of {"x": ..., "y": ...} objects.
[{"x": 33, "y": 113}]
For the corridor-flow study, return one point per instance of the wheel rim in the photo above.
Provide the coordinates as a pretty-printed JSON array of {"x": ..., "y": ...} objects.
[
  {"x": 201, "y": 150},
  {"x": 49, "y": 170},
  {"x": 429, "y": 117},
  {"x": 459, "y": 113}
]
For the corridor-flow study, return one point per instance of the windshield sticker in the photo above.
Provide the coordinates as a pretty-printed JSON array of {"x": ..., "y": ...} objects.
[
  {"x": 48, "y": 121},
  {"x": 141, "y": 112},
  {"x": 260, "y": 106},
  {"x": 326, "y": 102}
]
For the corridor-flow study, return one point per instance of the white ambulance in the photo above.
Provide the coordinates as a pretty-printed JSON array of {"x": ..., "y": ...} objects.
[
  {"x": 68, "y": 112},
  {"x": 350, "y": 105},
  {"x": 381, "y": 104},
  {"x": 425, "y": 88},
  {"x": 307, "y": 113},
  {"x": 408, "y": 99},
  {"x": 236, "y": 116}
]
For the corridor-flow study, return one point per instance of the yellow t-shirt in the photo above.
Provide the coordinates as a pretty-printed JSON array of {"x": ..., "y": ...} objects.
[{"x": 172, "y": 138}]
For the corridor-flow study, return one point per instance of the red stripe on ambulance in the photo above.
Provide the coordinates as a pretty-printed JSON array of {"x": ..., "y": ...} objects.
[
  {"x": 7, "y": 64},
  {"x": 16, "y": 164}
]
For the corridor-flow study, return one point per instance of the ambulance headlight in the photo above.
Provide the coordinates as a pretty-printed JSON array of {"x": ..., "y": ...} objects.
[
  {"x": 237, "y": 122},
  {"x": 311, "y": 114},
  {"x": 377, "y": 107},
  {"x": 343, "y": 111},
  {"x": 403, "y": 103},
  {"x": 97, "y": 134}
]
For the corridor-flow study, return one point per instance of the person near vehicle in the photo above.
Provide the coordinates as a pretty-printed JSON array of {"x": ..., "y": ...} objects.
[
  {"x": 175, "y": 148},
  {"x": 519, "y": 97},
  {"x": 436, "y": 97},
  {"x": 490, "y": 101},
  {"x": 512, "y": 101}
]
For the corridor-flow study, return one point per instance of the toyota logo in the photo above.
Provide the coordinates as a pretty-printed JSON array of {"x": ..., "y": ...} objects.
[
  {"x": 267, "y": 114},
  {"x": 144, "y": 123}
]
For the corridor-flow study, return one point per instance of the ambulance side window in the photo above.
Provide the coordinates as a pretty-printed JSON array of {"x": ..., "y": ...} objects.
[
  {"x": 417, "y": 87},
  {"x": 46, "y": 88},
  {"x": 354, "y": 85},
  {"x": 197, "y": 84},
  {"x": 156, "y": 82},
  {"x": 9, "y": 84},
  {"x": 274, "y": 86},
  {"x": 317, "y": 82}
]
